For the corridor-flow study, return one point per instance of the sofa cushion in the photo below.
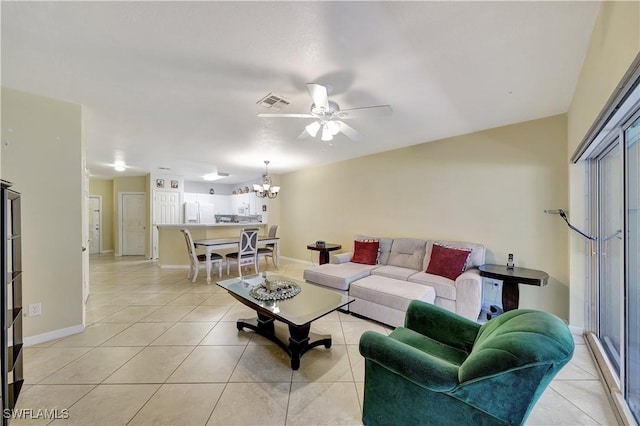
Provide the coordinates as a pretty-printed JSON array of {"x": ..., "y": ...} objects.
[
  {"x": 407, "y": 253},
  {"x": 445, "y": 288},
  {"x": 389, "y": 292},
  {"x": 476, "y": 258},
  {"x": 337, "y": 276},
  {"x": 447, "y": 262},
  {"x": 365, "y": 252},
  {"x": 395, "y": 272},
  {"x": 384, "y": 249}
]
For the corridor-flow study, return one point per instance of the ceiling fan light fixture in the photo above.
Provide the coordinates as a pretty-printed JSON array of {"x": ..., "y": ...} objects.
[
  {"x": 326, "y": 133},
  {"x": 312, "y": 129},
  {"x": 334, "y": 127}
]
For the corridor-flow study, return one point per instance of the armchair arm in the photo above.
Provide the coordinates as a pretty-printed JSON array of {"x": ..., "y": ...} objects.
[
  {"x": 469, "y": 294},
  {"x": 414, "y": 365},
  {"x": 341, "y": 258},
  {"x": 441, "y": 325}
]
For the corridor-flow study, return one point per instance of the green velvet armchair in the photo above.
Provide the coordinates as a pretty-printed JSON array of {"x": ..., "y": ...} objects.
[{"x": 443, "y": 369}]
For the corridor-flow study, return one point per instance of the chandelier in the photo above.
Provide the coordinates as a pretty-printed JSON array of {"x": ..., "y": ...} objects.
[{"x": 266, "y": 189}]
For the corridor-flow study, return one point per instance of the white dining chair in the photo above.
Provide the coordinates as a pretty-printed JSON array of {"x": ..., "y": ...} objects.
[
  {"x": 197, "y": 259},
  {"x": 270, "y": 248},
  {"x": 248, "y": 253}
]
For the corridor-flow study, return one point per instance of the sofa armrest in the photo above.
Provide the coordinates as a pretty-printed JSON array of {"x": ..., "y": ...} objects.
[
  {"x": 469, "y": 294},
  {"x": 441, "y": 325},
  {"x": 341, "y": 258},
  {"x": 413, "y": 364}
]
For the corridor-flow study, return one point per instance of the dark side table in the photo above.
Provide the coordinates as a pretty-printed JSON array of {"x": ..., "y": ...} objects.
[
  {"x": 324, "y": 250},
  {"x": 510, "y": 280}
]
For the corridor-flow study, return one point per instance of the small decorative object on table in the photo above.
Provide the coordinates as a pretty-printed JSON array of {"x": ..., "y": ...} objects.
[
  {"x": 510, "y": 264},
  {"x": 277, "y": 289}
]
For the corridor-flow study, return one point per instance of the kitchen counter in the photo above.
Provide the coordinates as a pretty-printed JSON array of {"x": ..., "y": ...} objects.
[
  {"x": 172, "y": 251},
  {"x": 209, "y": 225}
]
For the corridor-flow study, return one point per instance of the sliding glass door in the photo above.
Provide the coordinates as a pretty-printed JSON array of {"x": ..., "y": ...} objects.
[
  {"x": 610, "y": 250},
  {"x": 632, "y": 143}
]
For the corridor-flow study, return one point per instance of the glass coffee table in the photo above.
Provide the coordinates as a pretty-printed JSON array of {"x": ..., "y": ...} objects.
[{"x": 298, "y": 312}]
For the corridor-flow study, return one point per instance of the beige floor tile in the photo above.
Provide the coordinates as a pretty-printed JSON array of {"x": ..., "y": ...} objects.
[
  {"x": 109, "y": 405},
  {"x": 168, "y": 314},
  {"x": 572, "y": 371},
  {"x": 207, "y": 313},
  {"x": 324, "y": 365},
  {"x": 226, "y": 333},
  {"x": 162, "y": 288},
  {"x": 238, "y": 311},
  {"x": 151, "y": 365},
  {"x": 360, "y": 389},
  {"x": 353, "y": 330},
  {"x": 93, "y": 367},
  {"x": 100, "y": 312},
  {"x": 331, "y": 317},
  {"x": 357, "y": 362},
  {"x": 189, "y": 299},
  {"x": 52, "y": 398},
  {"x": 208, "y": 364},
  {"x": 260, "y": 364},
  {"x": 203, "y": 288},
  {"x": 324, "y": 404},
  {"x": 582, "y": 358},
  {"x": 178, "y": 404},
  {"x": 267, "y": 404},
  {"x": 130, "y": 314},
  {"x": 153, "y": 298},
  {"x": 588, "y": 396},
  {"x": 332, "y": 328},
  {"x": 139, "y": 334},
  {"x": 184, "y": 333},
  {"x": 220, "y": 299},
  {"x": 94, "y": 335},
  {"x": 42, "y": 362},
  {"x": 553, "y": 409}
]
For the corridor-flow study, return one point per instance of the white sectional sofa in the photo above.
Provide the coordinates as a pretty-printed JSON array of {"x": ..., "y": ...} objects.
[{"x": 383, "y": 290}]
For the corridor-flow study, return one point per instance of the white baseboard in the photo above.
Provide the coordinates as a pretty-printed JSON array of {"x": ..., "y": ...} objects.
[
  {"x": 106, "y": 251},
  {"x": 52, "y": 335},
  {"x": 291, "y": 259},
  {"x": 174, "y": 266}
]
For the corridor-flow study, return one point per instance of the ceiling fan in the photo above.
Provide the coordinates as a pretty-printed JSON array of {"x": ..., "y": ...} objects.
[{"x": 328, "y": 116}]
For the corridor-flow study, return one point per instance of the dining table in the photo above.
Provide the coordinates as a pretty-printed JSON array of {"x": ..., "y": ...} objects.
[{"x": 213, "y": 244}]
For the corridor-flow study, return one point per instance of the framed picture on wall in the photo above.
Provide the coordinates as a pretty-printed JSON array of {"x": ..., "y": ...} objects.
[
  {"x": 174, "y": 184},
  {"x": 159, "y": 183}
]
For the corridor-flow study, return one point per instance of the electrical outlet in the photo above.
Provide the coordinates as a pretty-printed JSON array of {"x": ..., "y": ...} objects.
[{"x": 35, "y": 309}]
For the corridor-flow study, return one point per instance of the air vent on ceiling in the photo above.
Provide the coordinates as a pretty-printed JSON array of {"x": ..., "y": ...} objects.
[
  {"x": 223, "y": 174},
  {"x": 273, "y": 101}
]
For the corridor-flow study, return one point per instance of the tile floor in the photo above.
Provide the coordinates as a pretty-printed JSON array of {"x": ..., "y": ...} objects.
[{"x": 160, "y": 350}]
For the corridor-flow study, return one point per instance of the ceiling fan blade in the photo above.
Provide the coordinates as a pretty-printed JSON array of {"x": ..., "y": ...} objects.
[
  {"x": 372, "y": 111},
  {"x": 349, "y": 131},
  {"x": 268, "y": 115},
  {"x": 319, "y": 95}
]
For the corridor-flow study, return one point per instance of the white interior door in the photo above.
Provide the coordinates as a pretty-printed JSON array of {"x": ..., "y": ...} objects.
[
  {"x": 133, "y": 224},
  {"x": 95, "y": 225},
  {"x": 166, "y": 210}
]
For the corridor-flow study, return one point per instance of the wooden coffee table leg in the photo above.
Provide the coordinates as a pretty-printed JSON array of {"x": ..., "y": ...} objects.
[
  {"x": 510, "y": 295},
  {"x": 301, "y": 340}
]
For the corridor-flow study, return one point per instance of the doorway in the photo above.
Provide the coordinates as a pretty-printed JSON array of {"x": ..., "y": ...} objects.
[
  {"x": 95, "y": 224},
  {"x": 166, "y": 210},
  {"x": 133, "y": 223}
]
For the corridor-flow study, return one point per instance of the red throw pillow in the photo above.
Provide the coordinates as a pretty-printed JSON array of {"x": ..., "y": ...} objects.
[
  {"x": 447, "y": 262},
  {"x": 365, "y": 252}
]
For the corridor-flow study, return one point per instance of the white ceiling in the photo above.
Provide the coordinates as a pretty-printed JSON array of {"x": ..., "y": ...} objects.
[{"x": 175, "y": 84}]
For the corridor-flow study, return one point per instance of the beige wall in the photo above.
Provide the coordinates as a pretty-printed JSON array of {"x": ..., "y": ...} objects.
[
  {"x": 128, "y": 184},
  {"x": 104, "y": 189},
  {"x": 44, "y": 160},
  {"x": 614, "y": 44},
  {"x": 489, "y": 187}
]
